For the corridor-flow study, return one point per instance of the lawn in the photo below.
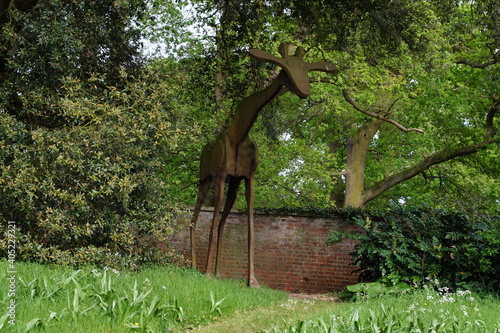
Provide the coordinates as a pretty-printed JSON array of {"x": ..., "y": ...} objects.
[
  {"x": 420, "y": 311},
  {"x": 170, "y": 299}
]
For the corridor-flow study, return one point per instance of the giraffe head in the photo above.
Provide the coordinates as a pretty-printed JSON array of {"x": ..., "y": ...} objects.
[{"x": 294, "y": 66}]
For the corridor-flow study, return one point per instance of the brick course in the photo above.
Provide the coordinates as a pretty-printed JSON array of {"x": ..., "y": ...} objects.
[{"x": 290, "y": 250}]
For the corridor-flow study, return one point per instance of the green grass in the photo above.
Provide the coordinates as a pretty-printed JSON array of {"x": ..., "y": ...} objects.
[
  {"x": 161, "y": 299},
  {"x": 259, "y": 319},
  {"x": 420, "y": 311},
  {"x": 170, "y": 299}
]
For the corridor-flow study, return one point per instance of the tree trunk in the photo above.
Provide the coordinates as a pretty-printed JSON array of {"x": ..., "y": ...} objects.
[{"x": 357, "y": 149}]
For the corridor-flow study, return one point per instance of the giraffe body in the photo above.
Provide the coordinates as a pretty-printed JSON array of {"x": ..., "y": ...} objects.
[{"x": 238, "y": 159}]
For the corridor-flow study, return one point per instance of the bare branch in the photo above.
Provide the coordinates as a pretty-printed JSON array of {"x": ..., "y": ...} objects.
[
  {"x": 393, "y": 103},
  {"x": 351, "y": 101}
]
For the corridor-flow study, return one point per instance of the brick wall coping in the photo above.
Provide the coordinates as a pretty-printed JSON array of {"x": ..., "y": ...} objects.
[{"x": 312, "y": 213}]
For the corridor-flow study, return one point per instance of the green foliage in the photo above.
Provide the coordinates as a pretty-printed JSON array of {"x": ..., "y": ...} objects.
[
  {"x": 425, "y": 310},
  {"x": 157, "y": 299},
  {"x": 55, "y": 39},
  {"x": 410, "y": 245},
  {"x": 401, "y": 60},
  {"x": 169, "y": 30},
  {"x": 86, "y": 132},
  {"x": 92, "y": 192},
  {"x": 381, "y": 27},
  {"x": 300, "y": 180},
  {"x": 377, "y": 289}
]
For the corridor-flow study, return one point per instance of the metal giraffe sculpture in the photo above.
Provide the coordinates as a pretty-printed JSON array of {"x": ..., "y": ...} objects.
[{"x": 233, "y": 156}]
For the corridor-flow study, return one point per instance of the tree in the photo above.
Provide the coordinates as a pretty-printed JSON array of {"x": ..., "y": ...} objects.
[
  {"x": 389, "y": 86},
  {"x": 84, "y": 130},
  {"x": 45, "y": 41},
  {"x": 406, "y": 67}
]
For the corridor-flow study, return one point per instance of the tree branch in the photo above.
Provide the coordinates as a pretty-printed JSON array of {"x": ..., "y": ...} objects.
[
  {"x": 351, "y": 101},
  {"x": 436, "y": 158},
  {"x": 490, "y": 129},
  {"x": 478, "y": 65}
]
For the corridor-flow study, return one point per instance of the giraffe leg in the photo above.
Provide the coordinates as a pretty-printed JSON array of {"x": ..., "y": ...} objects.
[
  {"x": 232, "y": 192},
  {"x": 249, "y": 188},
  {"x": 219, "y": 196},
  {"x": 202, "y": 193}
]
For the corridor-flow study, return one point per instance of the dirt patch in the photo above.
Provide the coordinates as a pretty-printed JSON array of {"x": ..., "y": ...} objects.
[{"x": 321, "y": 297}]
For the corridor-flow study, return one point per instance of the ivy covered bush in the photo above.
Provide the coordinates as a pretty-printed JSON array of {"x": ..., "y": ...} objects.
[{"x": 414, "y": 244}]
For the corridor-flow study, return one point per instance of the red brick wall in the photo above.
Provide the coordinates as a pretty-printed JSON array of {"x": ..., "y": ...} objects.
[{"x": 290, "y": 251}]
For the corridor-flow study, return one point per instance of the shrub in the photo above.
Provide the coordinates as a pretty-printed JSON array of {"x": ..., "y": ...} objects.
[
  {"x": 91, "y": 191},
  {"x": 409, "y": 245}
]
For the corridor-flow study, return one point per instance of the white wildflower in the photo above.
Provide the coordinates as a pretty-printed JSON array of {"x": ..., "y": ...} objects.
[
  {"x": 96, "y": 273},
  {"x": 446, "y": 298},
  {"x": 412, "y": 307},
  {"x": 444, "y": 289},
  {"x": 464, "y": 292}
]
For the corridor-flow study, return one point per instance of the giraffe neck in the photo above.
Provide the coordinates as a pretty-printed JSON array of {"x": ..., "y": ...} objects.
[{"x": 248, "y": 109}]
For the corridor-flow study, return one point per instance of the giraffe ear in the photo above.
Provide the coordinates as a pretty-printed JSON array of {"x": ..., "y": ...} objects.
[
  {"x": 266, "y": 57},
  {"x": 322, "y": 66}
]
